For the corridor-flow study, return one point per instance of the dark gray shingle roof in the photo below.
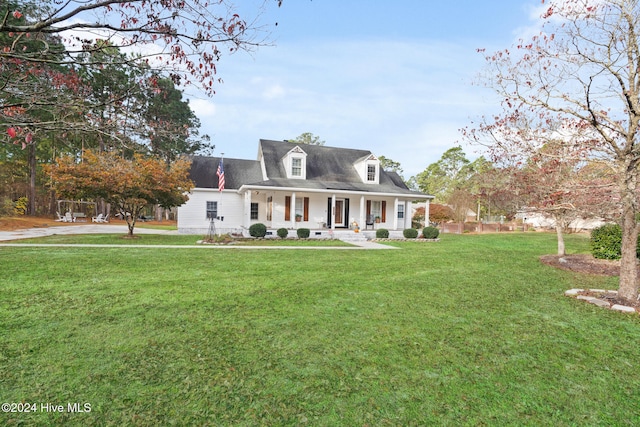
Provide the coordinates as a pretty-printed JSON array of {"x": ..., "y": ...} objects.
[
  {"x": 237, "y": 172},
  {"x": 328, "y": 168}
]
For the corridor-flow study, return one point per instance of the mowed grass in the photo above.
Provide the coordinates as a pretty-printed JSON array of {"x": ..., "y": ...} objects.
[
  {"x": 160, "y": 239},
  {"x": 472, "y": 330},
  {"x": 111, "y": 239}
]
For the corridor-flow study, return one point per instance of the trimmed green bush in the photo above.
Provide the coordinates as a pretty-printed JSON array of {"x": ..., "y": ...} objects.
[
  {"x": 303, "y": 233},
  {"x": 606, "y": 242},
  {"x": 282, "y": 233},
  {"x": 382, "y": 233},
  {"x": 430, "y": 232},
  {"x": 258, "y": 230},
  {"x": 410, "y": 233}
]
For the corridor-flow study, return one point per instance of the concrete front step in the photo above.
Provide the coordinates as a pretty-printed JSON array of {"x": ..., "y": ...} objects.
[{"x": 352, "y": 237}]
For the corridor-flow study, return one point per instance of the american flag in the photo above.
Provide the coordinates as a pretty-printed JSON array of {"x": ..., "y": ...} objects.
[{"x": 220, "y": 174}]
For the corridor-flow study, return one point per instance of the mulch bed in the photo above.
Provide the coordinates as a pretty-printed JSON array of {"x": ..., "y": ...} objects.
[
  {"x": 587, "y": 264},
  {"x": 583, "y": 263}
]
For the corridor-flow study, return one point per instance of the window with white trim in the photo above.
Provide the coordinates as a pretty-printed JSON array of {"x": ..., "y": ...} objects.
[
  {"x": 212, "y": 210},
  {"x": 401, "y": 211},
  {"x": 254, "y": 211},
  {"x": 296, "y": 166},
  {"x": 371, "y": 173},
  {"x": 299, "y": 207},
  {"x": 376, "y": 209},
  {"x": 295, "y": 163}
]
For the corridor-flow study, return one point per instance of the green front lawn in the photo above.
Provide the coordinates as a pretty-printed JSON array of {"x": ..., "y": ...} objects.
[
  {"x": 159, "y": 239},
  {"x": 471, "y": 330}
]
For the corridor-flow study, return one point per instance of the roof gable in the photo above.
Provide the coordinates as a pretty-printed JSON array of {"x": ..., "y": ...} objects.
[{"x": 323, "y": 163}]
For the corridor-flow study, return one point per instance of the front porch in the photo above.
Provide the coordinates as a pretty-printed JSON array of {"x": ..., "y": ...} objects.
[{"x": 324, "y": 210}]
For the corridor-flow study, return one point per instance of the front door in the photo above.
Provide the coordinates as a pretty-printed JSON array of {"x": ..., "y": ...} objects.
[{"x": 339, "y": 213}]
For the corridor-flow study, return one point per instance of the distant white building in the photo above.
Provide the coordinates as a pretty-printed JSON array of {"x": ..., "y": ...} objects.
[{"x": 540, "y": 220}]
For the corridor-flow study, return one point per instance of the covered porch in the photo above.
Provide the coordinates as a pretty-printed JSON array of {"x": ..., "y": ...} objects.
[{"x": 324, "y": 210}]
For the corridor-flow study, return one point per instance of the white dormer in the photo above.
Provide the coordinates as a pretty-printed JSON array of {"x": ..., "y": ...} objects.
[
  {"x": 368, "y": 168},
  {"x": 295, "y": 163}
]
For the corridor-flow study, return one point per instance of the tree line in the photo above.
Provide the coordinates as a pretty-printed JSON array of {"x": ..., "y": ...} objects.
[
  {"x": 105, "y": 76},
  {"x": 551, "y": 181}
]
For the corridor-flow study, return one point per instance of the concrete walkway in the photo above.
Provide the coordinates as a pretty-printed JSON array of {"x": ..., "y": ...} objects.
[
  {"x": 122, "y": 229},
  {"x": 26, "y": 233}
]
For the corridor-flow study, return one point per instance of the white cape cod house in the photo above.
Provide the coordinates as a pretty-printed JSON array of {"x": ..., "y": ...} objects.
[{"x": 294, "y": 185}]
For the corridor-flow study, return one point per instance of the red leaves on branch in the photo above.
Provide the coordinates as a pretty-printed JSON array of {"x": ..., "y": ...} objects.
[{"x": 180, "y": 30}]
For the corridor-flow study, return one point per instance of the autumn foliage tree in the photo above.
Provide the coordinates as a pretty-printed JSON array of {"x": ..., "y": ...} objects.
[
  {"x": 439, "y": 213},
  {"x": 581, "y": 70},
  {"x": 129, "y": 185},
  {"x": 564, "y": 186}
]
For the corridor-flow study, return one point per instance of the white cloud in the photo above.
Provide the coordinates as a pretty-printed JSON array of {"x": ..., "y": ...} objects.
[
  {"x": 405, "y": 101},
  {"x": 273, "y": 92},
  {"x": 203, "y": 108}
]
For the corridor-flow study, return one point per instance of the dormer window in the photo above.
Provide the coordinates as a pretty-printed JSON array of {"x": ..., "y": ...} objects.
[
  {"x": 368, "y": 168},
  {"x": 371, "y": 173},
  {"x": 295, "y": 163},
  {"x": 296, "y": 167}
]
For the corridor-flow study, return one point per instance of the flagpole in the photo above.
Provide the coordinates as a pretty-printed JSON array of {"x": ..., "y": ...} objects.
[{"x": 220, "y": 168}]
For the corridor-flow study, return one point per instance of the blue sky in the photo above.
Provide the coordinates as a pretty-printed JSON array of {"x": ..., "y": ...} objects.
[{"x": 393, "y": 77}]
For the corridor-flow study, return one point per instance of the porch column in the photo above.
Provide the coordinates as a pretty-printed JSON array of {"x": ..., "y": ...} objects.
[
  {"x": 247, "y": 209},
  {"x": 395, "y": 214},
  {"x": 333, "y": 212},
  {"x": 363, "y": 213},
  {"x": 426, "y": 213},
  {"x": 407, "y": 214},
  {"x": 292, "y": 210}
]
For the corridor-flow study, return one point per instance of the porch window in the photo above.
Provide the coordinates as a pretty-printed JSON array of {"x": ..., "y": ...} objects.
[
  {"x": 254, "y": 211},
  {"x": 377, "y": 209},
  {"x": 212, "y": 210},
  {"x": 400, "y": 211},
  {"x": 299, "y": 207},
  {"x": 269, "y": 208}
]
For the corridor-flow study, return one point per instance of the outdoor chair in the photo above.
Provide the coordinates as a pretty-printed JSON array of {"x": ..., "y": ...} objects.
[
  {"x": 68, "y": 217},
  {"x": 369, "y": 222},
  {"x": 100, "y": 218}
]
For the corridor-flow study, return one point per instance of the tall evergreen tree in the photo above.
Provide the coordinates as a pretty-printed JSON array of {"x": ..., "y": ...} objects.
[{"x": 171, "y": 124}]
